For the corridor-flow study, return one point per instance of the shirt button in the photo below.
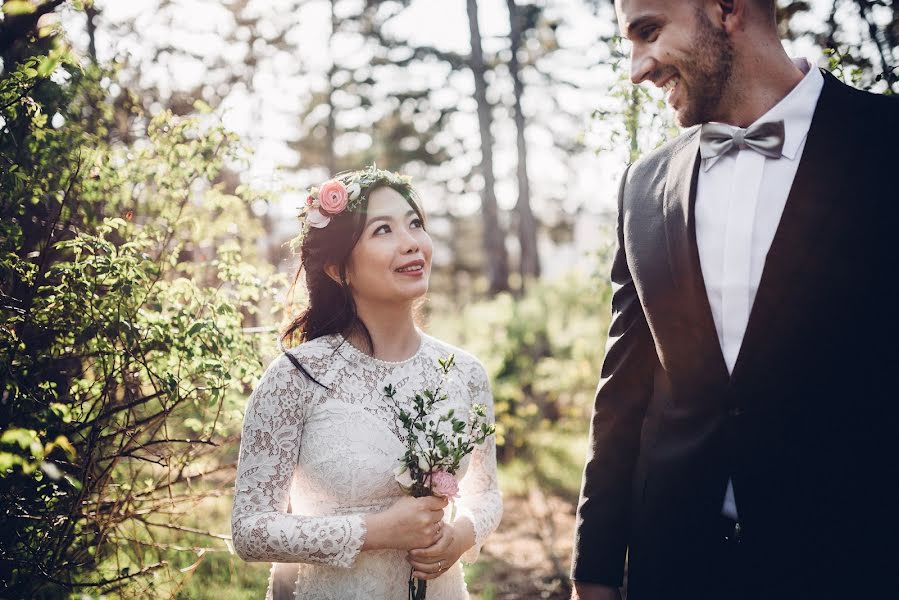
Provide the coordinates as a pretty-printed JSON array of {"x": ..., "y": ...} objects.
[{"x": 735, "y": 412}]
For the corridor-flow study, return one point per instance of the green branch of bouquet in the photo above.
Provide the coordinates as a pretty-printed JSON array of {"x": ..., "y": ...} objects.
[{"x": 427, "y": 447}]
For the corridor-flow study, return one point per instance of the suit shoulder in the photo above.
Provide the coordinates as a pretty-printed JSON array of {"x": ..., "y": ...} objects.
[
  {"x": 657, "y": 159},
  {"x": 883, "y": 110},
  {"x": 863, "y": 106}
]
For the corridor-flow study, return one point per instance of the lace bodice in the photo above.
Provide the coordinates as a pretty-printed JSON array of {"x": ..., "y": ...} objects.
[{"x": 315, "y": 459}]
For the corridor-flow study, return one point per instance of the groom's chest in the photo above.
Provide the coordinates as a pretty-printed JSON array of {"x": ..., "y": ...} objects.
[{"x": 804, "y": 245}]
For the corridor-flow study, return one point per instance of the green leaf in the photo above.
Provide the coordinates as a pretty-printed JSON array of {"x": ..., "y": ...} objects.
[
  {"x": 18, "y": 7},
  {"x": 202, "y": 107},
  {"x": 64, "y": 443},
  {"x": 196, "y": 328},
  {"x": 21, "y": 437},
  {"x": 47, "y": 66}
]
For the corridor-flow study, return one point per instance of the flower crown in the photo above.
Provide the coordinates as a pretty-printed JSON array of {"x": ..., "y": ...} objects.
[{"x": 344, "y": 193}]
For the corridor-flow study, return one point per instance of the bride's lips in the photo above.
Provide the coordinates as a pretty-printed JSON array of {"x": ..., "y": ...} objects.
[{"x": 413, "y": 268}]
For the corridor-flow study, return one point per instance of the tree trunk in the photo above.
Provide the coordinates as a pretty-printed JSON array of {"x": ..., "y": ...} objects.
[
  {"x": 497, "y": 260},
  {"x": 91, "y": 13},
  {"x": 529, "y": 264},
  {"x": 331, "y": 127},
  {"x": 884, "y": 52}
]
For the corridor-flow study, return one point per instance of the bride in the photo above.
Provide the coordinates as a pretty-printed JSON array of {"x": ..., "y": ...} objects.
[{"x": 315, "y": 490}]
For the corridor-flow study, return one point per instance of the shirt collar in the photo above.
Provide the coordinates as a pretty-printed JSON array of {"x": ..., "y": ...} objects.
[{"x": 796, "y": 109}]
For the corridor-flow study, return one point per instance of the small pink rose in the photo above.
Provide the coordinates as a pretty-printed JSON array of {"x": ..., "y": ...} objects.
[
  {"x": 315, "y": 218},
  {"x": 310, "y": 201},
  {"x": 444, "y": 484},
  {"x": 332, "y": 197}
]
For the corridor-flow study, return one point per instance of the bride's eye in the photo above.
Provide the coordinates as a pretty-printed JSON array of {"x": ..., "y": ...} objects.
[
  {"x": 416, "y": 224},
  {"x": 381, "y": 230}
]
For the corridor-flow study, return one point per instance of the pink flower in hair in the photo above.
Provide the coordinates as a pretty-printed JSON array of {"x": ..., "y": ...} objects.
[{"x": 332, "y": 197}]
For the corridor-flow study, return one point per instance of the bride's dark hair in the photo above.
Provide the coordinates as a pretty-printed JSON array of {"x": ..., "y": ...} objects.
[{"x": 329, "y": 306}]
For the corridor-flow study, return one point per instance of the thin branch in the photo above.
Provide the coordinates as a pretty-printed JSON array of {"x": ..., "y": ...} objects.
[{"x": 218, "y": 536}]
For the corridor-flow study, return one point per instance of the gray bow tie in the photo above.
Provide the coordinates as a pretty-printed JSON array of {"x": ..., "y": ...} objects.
[{"x": 717, "y": 139}]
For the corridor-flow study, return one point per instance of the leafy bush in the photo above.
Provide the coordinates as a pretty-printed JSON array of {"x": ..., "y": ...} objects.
[
  {"x": 124, "y": 289},
  {"x": 542, "y": 351}
]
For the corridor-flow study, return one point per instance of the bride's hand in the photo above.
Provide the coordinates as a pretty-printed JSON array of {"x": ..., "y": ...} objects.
[
  {"x": 433, "y": 561},
  {"x": 409, "y": 523}
]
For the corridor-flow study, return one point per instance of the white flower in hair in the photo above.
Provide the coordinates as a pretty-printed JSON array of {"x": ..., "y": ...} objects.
[
  {"x": 353, "y": 190},
  {"x": 315, "y": 218}
]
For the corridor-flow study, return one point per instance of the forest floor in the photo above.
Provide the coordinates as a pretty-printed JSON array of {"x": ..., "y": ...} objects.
[{"x": 529, "y": 555}]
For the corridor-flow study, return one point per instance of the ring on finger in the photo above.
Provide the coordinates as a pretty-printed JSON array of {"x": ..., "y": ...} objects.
[{"x": 439, "y": 565}]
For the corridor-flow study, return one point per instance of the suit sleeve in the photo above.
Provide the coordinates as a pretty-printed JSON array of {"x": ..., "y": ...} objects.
[{"x": 625, "y": 386}]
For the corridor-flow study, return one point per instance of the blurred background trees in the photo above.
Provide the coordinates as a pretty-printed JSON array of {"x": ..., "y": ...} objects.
[{"x": 152, "y": 158}]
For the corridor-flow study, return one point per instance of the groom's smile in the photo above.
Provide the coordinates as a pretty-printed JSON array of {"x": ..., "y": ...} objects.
[{"x": 671, "y": 85}]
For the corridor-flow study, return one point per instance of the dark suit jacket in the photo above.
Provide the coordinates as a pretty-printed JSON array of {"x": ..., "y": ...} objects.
[{"x": 806, "y": 426}]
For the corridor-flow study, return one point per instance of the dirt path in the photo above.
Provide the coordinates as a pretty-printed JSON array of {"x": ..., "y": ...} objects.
[{"x": 529, "y": 555}]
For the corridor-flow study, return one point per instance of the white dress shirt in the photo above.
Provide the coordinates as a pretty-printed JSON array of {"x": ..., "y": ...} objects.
[{"x": 740, "y": 198}]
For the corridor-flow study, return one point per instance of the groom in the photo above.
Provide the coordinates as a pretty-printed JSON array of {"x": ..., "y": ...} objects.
[{"x": 744, "y": 435}]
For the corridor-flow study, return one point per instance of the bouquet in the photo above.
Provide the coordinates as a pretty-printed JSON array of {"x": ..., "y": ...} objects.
[{"x": 434, "y": 451}]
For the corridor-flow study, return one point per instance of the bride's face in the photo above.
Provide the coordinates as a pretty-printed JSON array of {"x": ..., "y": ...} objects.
[{"x": 391, "y": 262}]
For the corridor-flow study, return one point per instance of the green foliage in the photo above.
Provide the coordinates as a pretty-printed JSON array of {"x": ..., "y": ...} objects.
[
  {"x": 840, "y": 64},
  {"x": 125, "y": 284},
  {"x": 635, "y": 117},
  {"x": 542, "y": 352}
]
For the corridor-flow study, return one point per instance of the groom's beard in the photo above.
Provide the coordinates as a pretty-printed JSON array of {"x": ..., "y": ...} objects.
[{"x": 707, "y": 78}]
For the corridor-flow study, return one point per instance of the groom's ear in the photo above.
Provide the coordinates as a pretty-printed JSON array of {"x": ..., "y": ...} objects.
[{"x": 731, "y": 14}]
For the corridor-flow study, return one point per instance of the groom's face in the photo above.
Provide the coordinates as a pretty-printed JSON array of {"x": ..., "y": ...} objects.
[{"x": 677, "y": 47}]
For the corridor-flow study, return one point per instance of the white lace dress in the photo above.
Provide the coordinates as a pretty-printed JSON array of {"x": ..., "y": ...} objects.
[{"x": 314, "y": 459}]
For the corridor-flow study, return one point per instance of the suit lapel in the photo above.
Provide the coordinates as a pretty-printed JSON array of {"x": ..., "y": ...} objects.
[
  {"x": 803, "y": 220},
  {"x": 679, "y": 201}
]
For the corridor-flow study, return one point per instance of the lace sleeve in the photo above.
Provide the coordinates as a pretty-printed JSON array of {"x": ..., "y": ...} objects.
[
  {"x": 261, "y": 527},
  {"x": 480, "y": 500}
]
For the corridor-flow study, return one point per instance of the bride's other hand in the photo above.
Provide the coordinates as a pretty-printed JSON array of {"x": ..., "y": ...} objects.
[
  {"x": 409, "y": 523},
  {"x": 435, "y": 560}
]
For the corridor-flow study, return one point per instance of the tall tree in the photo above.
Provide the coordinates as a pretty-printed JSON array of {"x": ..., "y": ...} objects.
[
  {"x": 497, "y": 261},
  {"x": 529, "y": 261}
]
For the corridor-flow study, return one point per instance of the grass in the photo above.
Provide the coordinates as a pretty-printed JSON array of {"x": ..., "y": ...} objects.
[
  {"x": 474, "y": 577},
  {"x": 226, "y": 576}
]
